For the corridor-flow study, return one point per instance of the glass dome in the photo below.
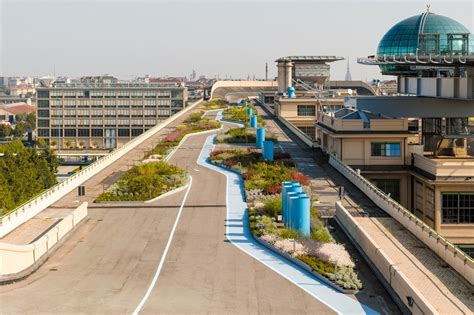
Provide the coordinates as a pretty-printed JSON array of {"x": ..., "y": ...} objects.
[{"x": 427, "y": 33}]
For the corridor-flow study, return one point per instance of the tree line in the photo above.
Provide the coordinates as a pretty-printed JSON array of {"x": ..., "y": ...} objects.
[{"x": 24, "y": 173}]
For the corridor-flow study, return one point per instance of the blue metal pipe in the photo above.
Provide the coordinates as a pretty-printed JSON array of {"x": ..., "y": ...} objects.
[
  {"x": 253, "y": 121},
  {"x": 260, "y": 137},
  {"x": 284, "y": 187},
  {"x": 294, "y": 189},
  {"x": 292, "y": 211},
  {"x": 268, "y": 149},
  {"x": 301, "y": 217}
]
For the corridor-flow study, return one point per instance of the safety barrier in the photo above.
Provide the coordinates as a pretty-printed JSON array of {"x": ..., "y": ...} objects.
[
  {"x": 17, "y": 261},
  {"x": 37, "y": 204},
  {"x": 452, "y": 255},
  {"x": 407, "y": 292}
]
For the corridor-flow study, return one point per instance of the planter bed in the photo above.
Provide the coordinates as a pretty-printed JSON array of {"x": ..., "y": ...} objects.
[{"x": 262, "y": 182}]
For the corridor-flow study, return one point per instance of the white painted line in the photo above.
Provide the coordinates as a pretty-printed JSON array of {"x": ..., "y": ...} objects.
[
  {"x": 239, "y": 235},
  {"x": 163, "y": 257}
]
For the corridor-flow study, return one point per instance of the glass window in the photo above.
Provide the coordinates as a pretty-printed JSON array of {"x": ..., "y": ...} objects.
[
  {"x": 97, "y": 132},
  {"x": 309, "y": 131},
  {"x": 124, "y": 132},
  {"x": 136, "y": 132},
  {"x": 43, "y": 123},
  {"x": 43, "y": 104},
  {"x": 83, "y": 132},
  {"x": 389, "y": 186},
  {"x": 43, "y": 132},
  {"x": 43, "y": 94},
  {"x": 306, "y": 110},
  {"x": 385, "y": 149},
  {"x": 43, "y": 113},
  {"x": 458, "y": 208}
]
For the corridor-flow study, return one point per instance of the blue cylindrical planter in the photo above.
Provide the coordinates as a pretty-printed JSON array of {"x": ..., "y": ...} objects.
[
  {"x": 253, "y": 121},
  {"x": 268, "y": 150},
  {"x": 284, "y": 187},
  {"x": 249, "y": 111},
  {"x": 293, "y": 189},
  {"x": 292, "y": 213},
  {"x": 260, "y": 137},
  {"x": 301, "y": 215}
]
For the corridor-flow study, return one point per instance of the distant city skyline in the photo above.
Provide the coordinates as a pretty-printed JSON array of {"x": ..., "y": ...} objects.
[{"x": 128, "y": 39}]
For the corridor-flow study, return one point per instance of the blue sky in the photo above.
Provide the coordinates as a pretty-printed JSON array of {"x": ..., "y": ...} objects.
[{"x": 233, "y": 38}]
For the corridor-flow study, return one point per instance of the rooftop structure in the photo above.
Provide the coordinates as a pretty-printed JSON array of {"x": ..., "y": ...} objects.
[{"x": 424, "y": 42}]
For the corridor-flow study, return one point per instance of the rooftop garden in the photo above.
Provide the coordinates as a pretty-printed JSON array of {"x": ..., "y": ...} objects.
[
  {"x": 194, "y": 123},
  {"x": 243, "y": 135},
  {"x": 214, "y": 104},
  {"x": 262, "y": 182},
  {"x": 144, "y": 182},
  {"x": 239, "y": 114},
  {"x": 154, "y": 176}
]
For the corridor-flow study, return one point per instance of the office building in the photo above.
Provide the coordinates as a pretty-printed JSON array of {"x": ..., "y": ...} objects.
[{"x": 103, "y": 115}]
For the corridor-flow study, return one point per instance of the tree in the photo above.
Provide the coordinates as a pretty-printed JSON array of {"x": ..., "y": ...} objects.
[
  {"x": 20, "y": 129},
  {"x": 5, "y": 130},
  {"x": 41, "y": 143},
  {"x": 68, "y": 143},
  {"x": 24, "y": 173}
]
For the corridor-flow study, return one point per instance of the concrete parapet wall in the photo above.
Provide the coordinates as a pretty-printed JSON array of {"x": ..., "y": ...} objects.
[
  {"x": 28, "y": 210},
  {"x": 300, "y": 134},
  {"x": 17, "y": 261},
  {"x": 457, "y": 259},
  {"x": 387, "y": 268}
]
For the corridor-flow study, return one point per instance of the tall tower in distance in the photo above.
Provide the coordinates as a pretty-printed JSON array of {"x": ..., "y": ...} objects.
[
  {"x": 348, "y": 72},
  {"x": 266, "y": 71}
]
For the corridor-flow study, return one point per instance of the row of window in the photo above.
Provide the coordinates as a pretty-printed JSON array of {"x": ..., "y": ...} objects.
[
  {"x": 96, "y": 122},
  {"x": 102, "y": 102},
  {"x": 108, "y": 93},
  {"x": 89, "y": 133},
  {"x": 106, "y": 112}
]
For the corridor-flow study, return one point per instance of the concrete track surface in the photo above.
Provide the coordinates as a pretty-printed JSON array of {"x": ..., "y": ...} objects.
[{"x": 108, "y": 264}]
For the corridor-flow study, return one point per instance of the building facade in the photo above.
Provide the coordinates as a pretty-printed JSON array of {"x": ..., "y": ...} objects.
[{"x": 103, "y": 116}]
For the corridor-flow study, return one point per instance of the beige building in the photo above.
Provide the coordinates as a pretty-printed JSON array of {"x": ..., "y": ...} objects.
[{"x": 439, "y": 189}]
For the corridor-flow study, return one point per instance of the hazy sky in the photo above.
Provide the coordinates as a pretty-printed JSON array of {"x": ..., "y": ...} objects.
[{"x": 130, "y": 38}]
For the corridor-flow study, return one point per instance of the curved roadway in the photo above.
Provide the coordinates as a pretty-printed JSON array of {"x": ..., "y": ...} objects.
[{"x": 108, "y": 263}]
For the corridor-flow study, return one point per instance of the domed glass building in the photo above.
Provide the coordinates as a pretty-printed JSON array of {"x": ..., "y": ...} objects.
[
  {"x": 428, "y": 37},
  {"x": 425, "y": 34}
]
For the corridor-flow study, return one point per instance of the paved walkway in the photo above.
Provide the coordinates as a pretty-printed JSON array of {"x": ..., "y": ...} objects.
[{"x": 441, "y": 285}]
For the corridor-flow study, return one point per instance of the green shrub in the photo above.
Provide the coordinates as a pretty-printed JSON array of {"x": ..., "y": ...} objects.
[
  {"x": 272, "y": 206},
  {"x": 144, "y": 182},
  {"x": 194, "y": 117},
  {"x": 346, "y": 277},
  {"x": 321, "y": 234},
  {"x": 288, "y": 234},
  {"x": 322, "y": 267}
]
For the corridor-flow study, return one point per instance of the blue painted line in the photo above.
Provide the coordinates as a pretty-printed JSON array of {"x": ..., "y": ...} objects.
[{"x": 238, "y": 233}]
